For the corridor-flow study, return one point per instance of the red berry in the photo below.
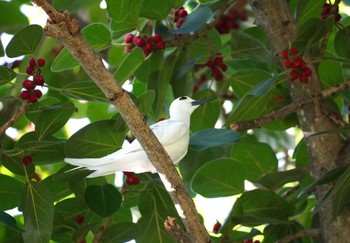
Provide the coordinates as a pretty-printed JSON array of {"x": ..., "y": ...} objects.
[
  {"x": 307, "y": 72},
  {"x": 32, "y": 62},
  {"x": 210, "y": 63},
  {"x": 182, "y": 13},
  {"x": 129, "y": 38},
  {"x": 303, "y": 79},
  {"x": 248, "y": 241},
  {"x": 284, "y": 54},
  {"x": 131, "y": 180},
  {"x": 243, "y": 16},
  {"x": 27, "y": 160},
  {"x": 25, "y": 94},
  {"x": 219, "y": 77},
  {"x": 39, "y": 80},
  {"x": 293, "y": 50},
  {"x": 29, "y": 70},
  {"x": 218, "y": 60},
  {"x": 215, "y": 70},
  {"x": 216, "y": 227},
  {"x": 128, "y": 48},
  {"x": 223, "y": 67},
  {"x": 179, "y": 22},
  {"x": 294, "y": 75},
  {"x": 41, "y": 62},
  {"x": 139, "y": 41},
  {"x": 28, "y": 84},
  {"x": 287, "y": 64},
  {"x": 160, "y": 45},
  {"x": 157, "y": 38},
  {"x": 296, "y": 62},
  {"x": 33, "y": 98},
  {"x": 38, "y": 93},
  {"x": 79, "y": 219}
]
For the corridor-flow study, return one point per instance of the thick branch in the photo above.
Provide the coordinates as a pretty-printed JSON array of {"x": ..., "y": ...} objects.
[
  {"x": 65, "y": 29},
  {"x": 275, "y": 115}
]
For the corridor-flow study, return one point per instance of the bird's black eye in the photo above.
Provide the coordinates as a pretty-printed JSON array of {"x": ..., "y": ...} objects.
[{"x": 183, "y": 98}]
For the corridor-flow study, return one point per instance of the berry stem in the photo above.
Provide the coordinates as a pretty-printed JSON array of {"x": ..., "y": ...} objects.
[{"x": 15, "y": 117}]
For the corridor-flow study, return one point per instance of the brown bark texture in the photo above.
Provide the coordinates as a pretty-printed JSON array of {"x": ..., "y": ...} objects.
[{"x": 275, "y": 19}]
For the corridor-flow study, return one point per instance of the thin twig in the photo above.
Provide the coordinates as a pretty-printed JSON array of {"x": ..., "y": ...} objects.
[
  {"x": 15, "y": 117},
  {"x": 284, "y": 111},
  {"x": 174, "y": 229},
  {"x": 101, "y": 230},
  {"x": 300, "y": 234}
]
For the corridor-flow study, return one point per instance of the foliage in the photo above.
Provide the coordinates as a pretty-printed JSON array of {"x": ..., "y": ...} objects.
[{"x": 50, "y": 195}]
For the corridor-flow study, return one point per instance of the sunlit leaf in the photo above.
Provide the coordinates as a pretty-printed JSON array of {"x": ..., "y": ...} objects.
[
  {"x": 6, "y": 75},
  {"x": 10, "y": 188}
]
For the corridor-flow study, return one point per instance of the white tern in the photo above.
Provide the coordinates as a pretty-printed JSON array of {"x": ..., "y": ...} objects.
[{"x": 172, "y": 133}]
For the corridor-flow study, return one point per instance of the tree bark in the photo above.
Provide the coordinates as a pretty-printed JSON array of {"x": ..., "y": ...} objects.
[{"x": 275, "y": 19}]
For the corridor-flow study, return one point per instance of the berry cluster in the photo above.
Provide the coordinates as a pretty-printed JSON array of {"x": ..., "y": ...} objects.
[
  {"x": 179, "y": 16},
  {"x": 230, "y": 21},
  {"x": 299, "y": 67},
  {"x": 330, "y": 10},
  {"x": 30, "y": 93},
  {"x": 216, "y": 227},
  {"x": 79, "y": 219},
  {"x": 131, "y": 179},
  {"x": 27, "y": 160},
  {"x": 148, "y": 44},
  {"x": 217, "y": 66}
]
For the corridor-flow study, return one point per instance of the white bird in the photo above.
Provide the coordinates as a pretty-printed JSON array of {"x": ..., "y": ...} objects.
[{"x": 172, "y": 133}]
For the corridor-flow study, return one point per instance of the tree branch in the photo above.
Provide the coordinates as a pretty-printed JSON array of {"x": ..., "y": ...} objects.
[
  {"x": 300, "y": 234},
  {"x": 65, "y": 29},
  {"x": 101, "y": 230},
  {"x": 284, "y": 111},
  {"x": 174, "y": 229},
  {"x": 15, "y": 117}
]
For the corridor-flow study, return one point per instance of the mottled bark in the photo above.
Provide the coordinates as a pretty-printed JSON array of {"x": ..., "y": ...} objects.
[{"x": 275, "y": 19}]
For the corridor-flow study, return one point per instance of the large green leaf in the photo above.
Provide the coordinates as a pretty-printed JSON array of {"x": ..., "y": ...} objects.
[
  {"x": 64, "y": 61},
  {"x": 129, "y": 65},
  {"x": 213, "y": 137},
  {"x": 84, "y": 91},
  {"x": 6, "y": 75},
  {"x": 118, "y": 10},
  {"x": 9, "y": 221},
  {"x": 257, "y": 158},
  {"x": 121, "y": 232},
  {"x": 195, "y": 20},
  {"x": 25, "y": 41},
  {"x": 95, "y": 140},
  {"x": 38, "y": 210},
  {"x": 341, "y": 42},
  {"x": 51, "y": 120},
  {"x": 155, "y": 205},
  {"x": 275, "y": 180},
  {"x": 10, "y": 191},
  {"x": 219, "y": 178},
  {"x": 330, "y": 73},
  {"x": 104, "y": 200},
  {"x": 156, "y": 10},
  {"x": 207, "y": 114}
]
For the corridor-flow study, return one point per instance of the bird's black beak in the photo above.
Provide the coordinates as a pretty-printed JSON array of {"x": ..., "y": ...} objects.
[{"x": 203, "y": 101}]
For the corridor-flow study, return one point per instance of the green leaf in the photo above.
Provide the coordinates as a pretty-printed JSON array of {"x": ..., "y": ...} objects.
[
  {"x": 6, "y": 75},
  {"x": 341, "y": 41},
  {"x": 309, "y": 34},
  {"x": 278, "y": 179},
  {"x": 245, "y": 80},
  {"x": 12, "y": 160},
  {"x": 144, "y": 101},
  {"x": 331, "y": 73},
  {"x": 104, "y": 200},
  {"x": 257, "y": 158},
  {"x": 64, "y": 61},
  {"x": 118, "y": 10},
  {"x": 12, "y": 19},
  {"x": 219, "y": 178},
  {"x": 308, "y": 9},
  {"x": 52, "y": 120},
  {"x": 122, "y": 232},
  {"x": 84, "y": 91},
  {"x": 25, "y": 41},
  {"x": 97, "y": 35},
  {"x": 94, "y": 140},
  {"x": 9, "y": 221},
  {"x": 263, "y": 204},
  {"x": 213, "y": 137},
  {"x": 10, "y": 191},
  {"x": 129, "y": 65},
  {"x": 58, "y": 189},
  {"x": 199, "y": 48},
  {"x": 207, "y": 114},
  {"x": 195, "y": 20},
  {"x": 156, "y": 10},
  {"x": 254, "y": 220},
  {"x": 38, "y": 210},
  {"x": 73, "y": 6},
  {"x": 155, "y": 205}
]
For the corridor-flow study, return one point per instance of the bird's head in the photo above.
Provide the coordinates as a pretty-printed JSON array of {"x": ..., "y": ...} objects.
[{"x": 184, "y": 106}]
